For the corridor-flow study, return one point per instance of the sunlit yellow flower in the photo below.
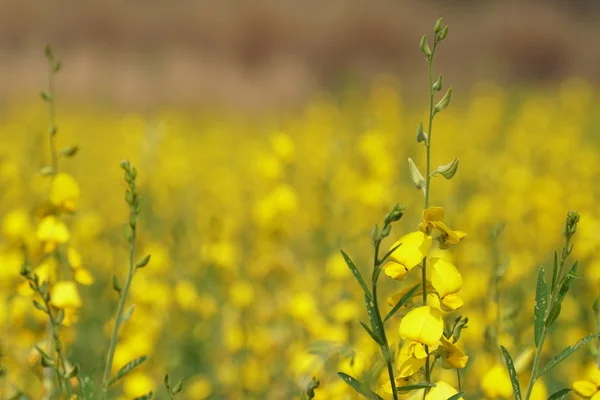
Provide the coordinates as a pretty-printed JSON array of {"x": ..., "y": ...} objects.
[
  {"x": 64, "y": 192},
  {"x": 411, "y": 359},
  {"x": 52, "y": 232},
  {"x": 441, "y": 391},
  {"x": 432, "y": 218},
  {"x": 447, "y": 281},
  {"x": 64, "y": 294},
  {"x": 413, "y": 248},
  {"x": 452, "y": 355},
  {"x": 423, "y": 324}
]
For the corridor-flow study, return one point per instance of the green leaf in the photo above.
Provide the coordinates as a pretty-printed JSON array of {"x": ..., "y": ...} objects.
[
  {"x": 566, "y": 353},
  {"x": 127, "y": 368},
  {"x": 401, "y": 302},
  {"x": 554, "y": 313},
  {"x": 88, "y": 389},
  {"x": 456, "y": 396},
  {"x": 565, "y": 285},
  {"x": 416, "y": 386},
  {"x": 373, "y": 318},
  {"x": 560, "y": 395},
  {"x": 512, "y": 373},
  {"x": 376, "y": 338},
  {"x": 359, "y": 387},
  {"x": 147, "y": 396},
  {"x": 357, "y": 275},
  {"x": 541, "y": 306}
]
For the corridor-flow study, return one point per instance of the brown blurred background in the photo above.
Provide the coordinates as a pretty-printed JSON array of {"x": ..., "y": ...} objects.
[{"x": 263, "y": 53}]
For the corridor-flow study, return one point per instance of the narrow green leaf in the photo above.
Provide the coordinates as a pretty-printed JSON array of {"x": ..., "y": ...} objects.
[
  {"x": 377, "y": 339},
  {"x": 147, "y": 396},
  {"x": 401, "y": 302},
  {"x": 357, "y": 274},
  {"x": 373, "y": 319},
  {"x": 127, "y": 368},
  {"x": 553, "y": 315},
  {"x": 456, "y": 396},
  {"x": 560, "y": 395},
  {"x": 565, "y": 284},
  {"x": 512, "y": 373},
  {"x": 88, "y": 389},
  {"x": 416, "y": 386},
  {"x": 566, "y": 353},
  {"x": 359, "y": 387},
  {"x": 541, "y": 306}
]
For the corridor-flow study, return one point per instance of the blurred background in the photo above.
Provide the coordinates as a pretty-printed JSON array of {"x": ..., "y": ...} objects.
[
  {"x": 268, "y": 135},
  {"x": 265, "y": 53}
]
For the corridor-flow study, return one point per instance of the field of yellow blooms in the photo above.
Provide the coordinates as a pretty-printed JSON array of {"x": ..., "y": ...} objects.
[{"x": 246, "y": 294}]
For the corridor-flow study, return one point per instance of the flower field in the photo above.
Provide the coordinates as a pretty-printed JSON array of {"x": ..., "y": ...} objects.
[{"x": 246, "y": 294}]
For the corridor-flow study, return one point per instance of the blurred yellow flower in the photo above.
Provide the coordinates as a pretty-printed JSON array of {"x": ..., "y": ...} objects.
[
  {"x": 589, "y": 387},
  {"x": 52, "y": 232},
  {"x": 64, "y": 192},
  {"x": 413, "y": 248},
  {"x": 137, "y": 384},
  {"x": 422, "y": 324},
  {"x": 16, "y": 225},
  {"x": 496, "y": 383},
  {"x": 64, "y": 294},
  {"x": 452, "y": 355}
]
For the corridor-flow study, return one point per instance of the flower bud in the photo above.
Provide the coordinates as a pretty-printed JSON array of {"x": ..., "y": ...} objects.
[
  {"x": 448, "y": 170},
  {"x": 425, "y": 47},
  {"x": 415, "y": 174},
  {"x": 421, "y": 135},
  {"x": 443, "y": 103}
]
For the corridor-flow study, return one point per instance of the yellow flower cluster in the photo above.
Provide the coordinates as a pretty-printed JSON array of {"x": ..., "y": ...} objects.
[{"x": 246, "y": 295}]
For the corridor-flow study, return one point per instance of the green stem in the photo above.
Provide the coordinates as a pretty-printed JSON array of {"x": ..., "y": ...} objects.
[
  {"x": 426, "y": 205},
  {"x": 385, "y": 349},
  {"x": 120, "y": 309},
  {"x": 52, "y": 111}
]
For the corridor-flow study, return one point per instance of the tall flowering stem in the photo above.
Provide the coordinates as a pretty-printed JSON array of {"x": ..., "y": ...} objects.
[
  {"x": 132, "y": 199},
  {"x": 439, "y": 35}
]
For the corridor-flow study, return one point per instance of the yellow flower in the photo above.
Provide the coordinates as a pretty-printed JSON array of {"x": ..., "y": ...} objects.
[
  {"x": 411, "y": 359},
  {"x": 447, "y": 281},
  {"x": 423, "y": 324},
  {"x": 441, "y": 391},
  {"x": 64, "y": 192},
  {"x": 64, "y": 294},
  {"x": 52, "y": 232},
  {"x": 15, "y": 225},
  {"x": 590, "y": 387},
  {"x": 432, "y": 218},
  {"x": 413, "y": 248},
  {"x": 496, "y": 383},
  {"x": 452, "y": 356}
]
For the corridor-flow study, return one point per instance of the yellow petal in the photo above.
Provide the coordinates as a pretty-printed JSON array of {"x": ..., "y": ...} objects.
[
  {"x": 422, "y": 324},
  {"x": 445, "y": 278},
  {"x": 441, "y": 391},
  {"x": 74, "y": 257},
  {"x": 453, "y": 357},
  {"x": 413, "y": 248},
  {"x": 596, "y": 396},
  {"x": 83, "y": 276},
  {"x": 64, "y": 294},
  {"x": 433, "y": 214},
  {"x": 585, "y": 388},
  {"x": 51, "y": 229},
  {"x": 395, "y": 270},
  {"x": 451, "y": 302},
  {"x": 496, "y": 383}
]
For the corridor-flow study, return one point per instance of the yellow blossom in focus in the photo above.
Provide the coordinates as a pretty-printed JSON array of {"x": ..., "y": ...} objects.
[
  {"x": 452, "y": 356},
  {"x": 423, "y": 324},
  {"x": 64, "y": 294},
  {"x": 432, "y": 218},
  {"x": 447, "y": 281},
  {"x": 64, "y": 192},
  {"x": 413, "y": 248}
]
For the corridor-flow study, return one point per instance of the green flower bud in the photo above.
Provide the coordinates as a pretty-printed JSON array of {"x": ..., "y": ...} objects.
[
  {"x": 425, "y": 47},
  {"x": 443, "y": 103},
  {"x": 416, "y": 175},
  {"x": 448, "y": 170}
]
